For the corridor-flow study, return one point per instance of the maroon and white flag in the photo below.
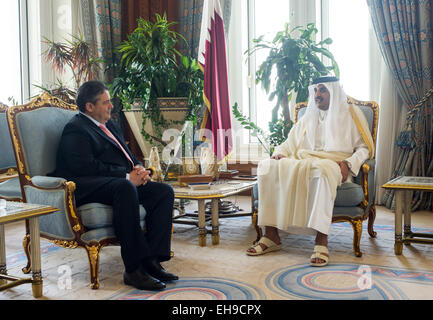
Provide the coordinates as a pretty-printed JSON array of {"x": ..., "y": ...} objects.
[{"x": 212, "y": 58}]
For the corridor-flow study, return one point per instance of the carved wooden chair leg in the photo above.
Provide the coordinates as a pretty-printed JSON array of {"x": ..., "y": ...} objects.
[
  {"x": 93, "y": 255},
  {"x": 26, "y": 246},
  {"x": 171, "y": 251},
  {"x": 357, "y": 233},
  {"x": 371, "y": 218}
]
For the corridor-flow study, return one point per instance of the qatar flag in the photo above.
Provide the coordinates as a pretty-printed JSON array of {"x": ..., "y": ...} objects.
[{"x": 212, "y": 59}]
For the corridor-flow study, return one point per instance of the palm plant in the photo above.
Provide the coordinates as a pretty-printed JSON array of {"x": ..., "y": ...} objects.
[
  {"x": 150, "y": 49},
  {"x": 78, "y": 56}
]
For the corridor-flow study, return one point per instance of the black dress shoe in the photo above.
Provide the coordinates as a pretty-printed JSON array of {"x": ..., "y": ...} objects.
[
  {"x": 141, "y": 280},
  {"x": 153, "y": 268}
]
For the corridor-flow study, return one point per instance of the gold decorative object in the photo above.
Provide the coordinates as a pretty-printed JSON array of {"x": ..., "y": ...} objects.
[
  {"x": 155, "y": 164},
  {"x": 65, "y": 244},
  {"x": 11, "y": 172},
  {"x": 190, "y": 166},
  {"x": 3, "y": 107},
  {"x": 173, "y": 172}
]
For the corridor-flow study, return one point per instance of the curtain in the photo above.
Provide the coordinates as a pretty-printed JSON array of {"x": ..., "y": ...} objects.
[
  {"x": 392, "y": 114},
  {"x": 102, "y": 28},
  {"x": 101, "y": 20},
  {"x": 190, "y": 12},
  {"x": 132, "y": 9},
  {"x": 404, "y": 32}
]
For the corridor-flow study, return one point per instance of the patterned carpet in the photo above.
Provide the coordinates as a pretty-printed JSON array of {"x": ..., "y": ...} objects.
[{"x": 225, "y": 272}]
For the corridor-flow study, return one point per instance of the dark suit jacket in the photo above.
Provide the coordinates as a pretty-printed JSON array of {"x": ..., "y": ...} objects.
[{"x": 87, "y": 156}]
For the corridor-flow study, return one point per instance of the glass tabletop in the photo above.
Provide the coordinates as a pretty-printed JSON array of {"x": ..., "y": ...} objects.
[
  {"x": 220, "y": 188},
  {"x": 410, "y": 182},
  {"x": 12, "y": 210}
]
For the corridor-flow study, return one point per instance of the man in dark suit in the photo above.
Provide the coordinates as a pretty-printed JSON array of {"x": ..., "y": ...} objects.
[{"x": 93, "y": 154}]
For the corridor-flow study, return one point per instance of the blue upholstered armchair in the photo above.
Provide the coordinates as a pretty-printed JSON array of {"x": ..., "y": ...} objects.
[
  {"x": 36, "y": 129},
  {"x": 9, "y": 182},
  {"x": 354, "y": 202}
]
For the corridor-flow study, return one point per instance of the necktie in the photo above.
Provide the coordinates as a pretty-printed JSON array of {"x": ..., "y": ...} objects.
[{"x": 112, "y": 137}]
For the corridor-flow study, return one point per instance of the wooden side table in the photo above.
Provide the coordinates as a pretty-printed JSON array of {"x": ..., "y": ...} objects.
[
  {"x": 16, "y": 211},
  {"x": 404, "y": 187}
]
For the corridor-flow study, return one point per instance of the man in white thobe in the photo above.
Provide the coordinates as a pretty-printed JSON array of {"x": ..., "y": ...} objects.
[{"x": 297, "y": 186}]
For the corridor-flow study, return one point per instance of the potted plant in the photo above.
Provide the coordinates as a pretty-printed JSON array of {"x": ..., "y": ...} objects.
[
  {"x": 156, "y": 81},
  {"x": 296, "y": 60},
  {"x": 78, "y": 56}
]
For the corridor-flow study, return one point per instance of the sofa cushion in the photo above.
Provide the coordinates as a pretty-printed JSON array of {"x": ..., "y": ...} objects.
[
  {"x": 99, "y": 234},
  {"x": 348, "y": 212},
  {"x": 349, "y": 195},
  {"x": 98, "y": 215}
]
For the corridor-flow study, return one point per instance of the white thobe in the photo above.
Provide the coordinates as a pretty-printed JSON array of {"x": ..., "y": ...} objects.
[{"x": 320, "y": 200}]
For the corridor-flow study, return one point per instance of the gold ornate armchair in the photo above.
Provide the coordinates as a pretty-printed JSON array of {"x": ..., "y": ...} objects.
[
  {"x": 354, "y": 202},
  {"x": 36, "y": 129}
]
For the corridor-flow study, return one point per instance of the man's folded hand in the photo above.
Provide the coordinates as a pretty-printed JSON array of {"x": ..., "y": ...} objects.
[{"x": 139, "y": 175}]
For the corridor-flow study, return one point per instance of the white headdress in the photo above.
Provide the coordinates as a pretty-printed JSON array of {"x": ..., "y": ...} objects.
[{"x": 340, "y": 129}]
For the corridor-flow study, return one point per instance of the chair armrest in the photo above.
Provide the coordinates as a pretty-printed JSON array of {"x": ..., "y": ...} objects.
[
  {"x": 47, "y": 182},
  {"x": 365, "y": 178},
  {"x": 59, "y": 193}
]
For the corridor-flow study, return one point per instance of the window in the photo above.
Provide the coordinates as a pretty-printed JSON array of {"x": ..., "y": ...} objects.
[
  {"x": 51, "y": 19},
  {"x": 350, "y": 46},
  {"x": 21, "y": 61},
  {"x": 267, "y": 27},
  {"x": 253, "y": 18},
  {"x": 10, "y": 54}
]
